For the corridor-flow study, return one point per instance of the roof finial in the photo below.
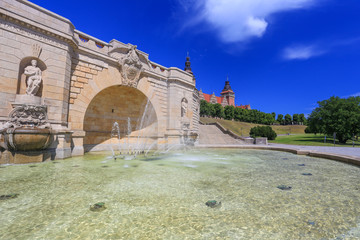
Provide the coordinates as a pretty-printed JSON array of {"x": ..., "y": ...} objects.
[{"x": 188, "y": 64}]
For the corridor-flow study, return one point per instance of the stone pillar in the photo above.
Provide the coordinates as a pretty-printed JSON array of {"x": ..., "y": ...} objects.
[
  {"x": 63, "y": 144},
  {"x": 77, "y": 143}
]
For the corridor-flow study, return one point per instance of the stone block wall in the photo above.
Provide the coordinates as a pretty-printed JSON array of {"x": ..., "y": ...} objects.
[{"x": 82, "y": 73}]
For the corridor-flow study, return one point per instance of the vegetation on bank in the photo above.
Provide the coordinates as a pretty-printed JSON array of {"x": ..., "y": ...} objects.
[
  {"x": 243, "y": 128},
  {"x": 297, "y": 134},
  {"x": 250, "y": 116}
]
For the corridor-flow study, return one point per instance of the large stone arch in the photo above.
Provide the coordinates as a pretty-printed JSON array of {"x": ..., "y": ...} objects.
[
  {"x": 130, "y": 109},
  {"x": 107, "y": 82}
]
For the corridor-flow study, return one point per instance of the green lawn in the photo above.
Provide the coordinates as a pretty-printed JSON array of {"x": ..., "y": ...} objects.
[{"x": 311, "y": 140}]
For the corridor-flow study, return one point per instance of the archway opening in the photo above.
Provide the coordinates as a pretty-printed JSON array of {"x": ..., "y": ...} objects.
[{"x": 131, "y": 109}]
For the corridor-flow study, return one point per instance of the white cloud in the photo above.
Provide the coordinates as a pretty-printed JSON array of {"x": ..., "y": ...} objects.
[
  {"x": 352, "y": 95},
  {"x": 239, "y": 20},
  {"x": 301, "y": 52}
]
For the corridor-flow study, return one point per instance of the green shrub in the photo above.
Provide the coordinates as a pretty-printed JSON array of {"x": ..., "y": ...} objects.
[
  {"x": 308, "y": 130},
  {"x": 263, "y": 131}
]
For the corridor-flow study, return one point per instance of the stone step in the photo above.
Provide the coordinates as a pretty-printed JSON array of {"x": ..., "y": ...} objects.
[{"x": 211, "y": 134}]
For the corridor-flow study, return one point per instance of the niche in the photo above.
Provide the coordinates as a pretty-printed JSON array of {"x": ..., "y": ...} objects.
[{"x": 21, "y": 84}]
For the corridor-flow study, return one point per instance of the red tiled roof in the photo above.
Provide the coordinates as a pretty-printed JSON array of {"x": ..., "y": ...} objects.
[
  {"x": 207, "y": 97},
  {"x": 244, "y": 106},
  {"x": 231, "y": 91},
  {"x": 219, "y": 99}
]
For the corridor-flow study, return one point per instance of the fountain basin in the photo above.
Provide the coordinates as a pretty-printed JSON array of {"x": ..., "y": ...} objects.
[
  {"x": 164, "y": 197},
  {"x": 27, "y": 138}
]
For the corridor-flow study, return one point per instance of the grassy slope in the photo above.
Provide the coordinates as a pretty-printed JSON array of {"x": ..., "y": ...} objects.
[
  {"x": 300, "y": 138},
  {"x": 243, "y": 128}
]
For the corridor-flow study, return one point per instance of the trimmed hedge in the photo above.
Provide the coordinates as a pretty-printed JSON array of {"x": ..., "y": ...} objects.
[{"x": 263, "y": 131}]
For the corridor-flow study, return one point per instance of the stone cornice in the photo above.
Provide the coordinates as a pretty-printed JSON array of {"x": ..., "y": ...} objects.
[
  {"x": 181, "y": 81},
  {"x": 22, "y": 22}
]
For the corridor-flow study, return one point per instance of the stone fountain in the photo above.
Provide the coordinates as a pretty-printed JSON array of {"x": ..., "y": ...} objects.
[{"x": 27, "y": 133}]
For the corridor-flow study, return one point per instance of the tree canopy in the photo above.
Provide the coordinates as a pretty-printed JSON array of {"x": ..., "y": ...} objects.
[{"x": 336, "y": 115}]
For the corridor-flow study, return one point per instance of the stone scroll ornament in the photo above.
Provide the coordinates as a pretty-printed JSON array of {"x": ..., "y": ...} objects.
[{"x": 131, "y": 67}]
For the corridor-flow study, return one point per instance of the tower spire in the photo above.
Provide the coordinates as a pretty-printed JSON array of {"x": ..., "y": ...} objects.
[
  {"x": 228, "y": 93},
  {"x": 188, "y": 64}
]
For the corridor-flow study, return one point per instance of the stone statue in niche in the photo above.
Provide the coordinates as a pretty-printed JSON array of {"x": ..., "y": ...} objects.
[
  {"x": 184, "y": 106},
  {"x": 33, "y": 80}
]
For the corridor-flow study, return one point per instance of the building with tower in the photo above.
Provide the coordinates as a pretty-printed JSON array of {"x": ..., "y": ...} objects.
[{"x": 227, "y": 95}]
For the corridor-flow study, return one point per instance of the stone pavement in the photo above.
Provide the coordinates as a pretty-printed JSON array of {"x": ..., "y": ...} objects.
[
  {"x": 210, "y": 136},
  {"x": 348, "y": 151}
]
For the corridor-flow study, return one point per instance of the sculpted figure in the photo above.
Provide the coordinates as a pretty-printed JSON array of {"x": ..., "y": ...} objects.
[
  {"x": 33, "y": 80},
  {"x": 184, "y": 106}
]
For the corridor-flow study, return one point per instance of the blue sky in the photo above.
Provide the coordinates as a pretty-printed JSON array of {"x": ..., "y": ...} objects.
[{"x": 281, "y": 56}]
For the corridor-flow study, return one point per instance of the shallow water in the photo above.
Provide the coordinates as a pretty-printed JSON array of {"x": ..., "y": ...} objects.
[{"x": 163, "y": 197}]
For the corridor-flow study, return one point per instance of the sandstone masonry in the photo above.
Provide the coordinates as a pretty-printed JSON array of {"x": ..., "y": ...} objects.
[{"x": 87, "y": 83}]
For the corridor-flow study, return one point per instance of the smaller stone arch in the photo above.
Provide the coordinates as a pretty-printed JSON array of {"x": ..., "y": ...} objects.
[{"x": 21, "y": 83}]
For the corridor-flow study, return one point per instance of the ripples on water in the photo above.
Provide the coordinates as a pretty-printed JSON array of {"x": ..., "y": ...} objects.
[{"x": 164, "y": 197}]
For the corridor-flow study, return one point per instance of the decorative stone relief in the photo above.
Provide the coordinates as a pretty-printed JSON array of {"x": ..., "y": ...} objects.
[
  {"x": 28, "y": 115},
  {"x": 131, "y": 67},
  {"x": 36, "y": 50},
  {"x": 33, "y": 80}
]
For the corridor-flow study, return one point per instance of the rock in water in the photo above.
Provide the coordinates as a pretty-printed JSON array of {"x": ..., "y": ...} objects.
[
  {"x": 9, "y": 196},
  {"x": 98, "y": 207},
  {"x": 213, "y": 203},
  {"x": 306, "y": 174},
  {"x": 284, "y": 187},
  {"x": 301, "y": 165},
  {"x": 311, "y": 223}
]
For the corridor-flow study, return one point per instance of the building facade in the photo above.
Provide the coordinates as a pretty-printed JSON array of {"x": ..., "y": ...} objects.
[
  {"x": 226, "y": 98},
  {"x": 84, "y": 85}
]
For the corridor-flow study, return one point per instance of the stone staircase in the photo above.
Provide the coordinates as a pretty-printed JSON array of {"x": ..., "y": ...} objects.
[{"x": 212, "y": 135}]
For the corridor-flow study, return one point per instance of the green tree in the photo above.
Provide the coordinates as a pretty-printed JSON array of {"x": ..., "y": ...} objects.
[
  {"x": 212, "y": 110},
  {"x": 302, "y": 119},
  {"x": 280, "y": 118},
  {"x": 337, "y": 115},
  {"x": 204, "y": 109},
  {"x": 287, "y": 119},
  {"x": 229, "y": 112},
  {"x": 269, "y": 119},
  {"x": 295, "y": 118},
  {"x": 218, "y": 110}
]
